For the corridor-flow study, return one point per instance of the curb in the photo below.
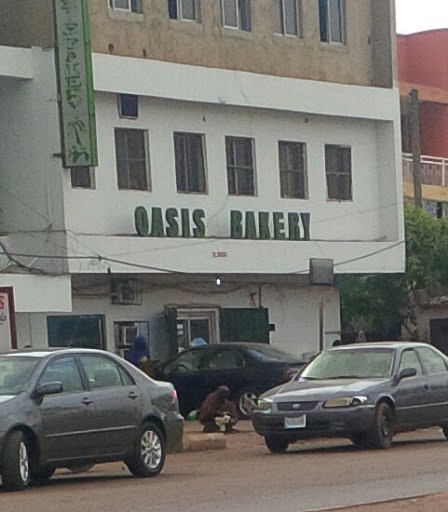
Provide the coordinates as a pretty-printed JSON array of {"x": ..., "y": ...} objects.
[{"x": 200, "y": 442}]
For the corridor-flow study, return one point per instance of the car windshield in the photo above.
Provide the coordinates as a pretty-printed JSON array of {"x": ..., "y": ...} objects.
[
  {"x": 350, "y": 364},
  {"x": 15, "y": 373},
  {"x": 272, "y": 354}
]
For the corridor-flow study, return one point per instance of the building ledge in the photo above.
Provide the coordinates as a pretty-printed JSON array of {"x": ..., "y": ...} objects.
[{"x": 16, "y": 63}]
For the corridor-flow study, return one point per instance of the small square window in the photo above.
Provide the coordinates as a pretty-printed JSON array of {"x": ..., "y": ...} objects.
[
  {"x": 82, "y": 177},
  {"x": 332, "y": 21},
  {"x": 287, "y": 17},
  {"x": 127, "y": 5},
  {"x": 128, "y": 105},
  {"x": 236, "y": 14},
  {"x": 185, "y": 10},
  {"x": 338, "y": 168}
]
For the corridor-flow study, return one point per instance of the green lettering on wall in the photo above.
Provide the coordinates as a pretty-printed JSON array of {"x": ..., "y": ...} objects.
[
  {"x": 141, "y": 221},
  {"x": 198, "y": 220},
  {"x": 157, "y": 222},
  {"x": 263, "y": 226},
  {"x": 185, "y": 214},
  {"x": 251, "y": 227},
  {"x": 306, "y": 221},
  {"x": 279, "y": 225},
  {"x": 293, "y": 226},
  {"x": 236, "y": 227},
  {"x": 171, "y": 215}
]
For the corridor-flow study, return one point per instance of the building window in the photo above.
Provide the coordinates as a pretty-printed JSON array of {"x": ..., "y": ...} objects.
[
  {"x": 287, "y": 17},
  {"x": 332, "y": 21},
  {"x": 127, "y": 5},
  {"x": 236, "y": 14},
  {"x": 128, "y": 106},
  {"x": 240, "y": 166},
  {"x": 132, "y": 163},
  {"x": 190, "y": 162},
  {"x": 185, "y": 10},
  {"x": 82, "y": 177},
  {"x": 292, "y": 166},
  {"x": 78, "y": 331},
  {"x": 338, "y": 168}
]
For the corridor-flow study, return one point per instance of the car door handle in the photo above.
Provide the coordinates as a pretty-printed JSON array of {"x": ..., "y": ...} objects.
[
  {"x": 133, "y": 395},
  {"x": 86, "y": 401},
  {"x": 426, "y": 386}
]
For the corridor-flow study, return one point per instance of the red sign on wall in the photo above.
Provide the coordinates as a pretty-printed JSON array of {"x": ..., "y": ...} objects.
[{"x": 8, "y": 329}]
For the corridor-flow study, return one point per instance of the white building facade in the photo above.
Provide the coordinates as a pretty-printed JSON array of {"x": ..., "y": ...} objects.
[{"x": 214, "y": 190}]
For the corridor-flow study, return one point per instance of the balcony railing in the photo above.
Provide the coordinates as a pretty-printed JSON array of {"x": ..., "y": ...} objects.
[{"x": 434, "y": 170}]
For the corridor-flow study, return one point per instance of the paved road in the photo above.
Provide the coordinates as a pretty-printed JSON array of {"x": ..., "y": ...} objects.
[{"x": 246, "y": 478}]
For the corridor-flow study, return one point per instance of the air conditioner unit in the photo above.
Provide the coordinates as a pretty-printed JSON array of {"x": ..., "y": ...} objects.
[
  {"x": 127, "y": 334},
  {"x": 126, "y": 292}
]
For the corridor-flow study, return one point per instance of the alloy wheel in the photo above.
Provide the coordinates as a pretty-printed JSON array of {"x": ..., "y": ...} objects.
[
  {"x": 24, "y": 464},
  {"x": 247, "y": 402},
  {"x": 151, "y": 449}
]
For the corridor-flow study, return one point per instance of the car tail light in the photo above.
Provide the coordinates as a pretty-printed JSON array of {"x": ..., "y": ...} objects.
[{"x": 173, "y": 397}]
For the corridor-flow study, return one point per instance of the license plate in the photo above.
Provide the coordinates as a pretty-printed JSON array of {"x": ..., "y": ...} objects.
[{"x": 297, "y": 422}]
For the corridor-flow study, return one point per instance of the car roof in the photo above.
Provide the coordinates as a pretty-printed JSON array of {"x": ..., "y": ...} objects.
[
  {"x": 46, "y": 352},
  {"x": 382, "y": 344}
]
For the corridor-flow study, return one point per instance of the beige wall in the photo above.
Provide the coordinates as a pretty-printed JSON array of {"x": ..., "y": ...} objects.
[{"x": 365, "y": 60}]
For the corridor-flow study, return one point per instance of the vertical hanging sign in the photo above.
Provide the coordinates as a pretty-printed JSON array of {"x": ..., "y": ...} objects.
[
  {"x": 75, "y": 83},
  {"x": 8, "y": 331}
]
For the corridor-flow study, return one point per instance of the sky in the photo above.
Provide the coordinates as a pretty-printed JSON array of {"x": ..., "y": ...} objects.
[{"x": 418, "y": 15}]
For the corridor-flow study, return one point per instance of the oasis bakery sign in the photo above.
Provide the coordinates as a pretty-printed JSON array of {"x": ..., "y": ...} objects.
[{"x": 249, "y": 225}]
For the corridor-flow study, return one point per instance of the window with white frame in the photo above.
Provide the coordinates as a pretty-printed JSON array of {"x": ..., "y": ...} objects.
[
  {"x": 82, "y": 177},
  {"x": 338, "y": 169},
  {"x": 287, "y": 17},
  {"x": 332, "y": 21},
  {"x": 132, "y": 161},
  {"x": 190, "y": 162},
  {"x": 240, "y": 166},
  {"x": 236, "y": 14},
  {"x": 292, "y": 164},
  {"x": 127, "y": 5},
  {"x": 185, "y": 10}
]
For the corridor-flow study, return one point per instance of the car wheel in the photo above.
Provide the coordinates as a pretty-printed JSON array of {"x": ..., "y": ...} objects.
[
  {"x": 276, "y": 444},
  {"x": 42, "y": 474},
  {"x": 148, "y": 455},
  {"x": 15, "y": 462},
  {"x": 382, "y": 431},
  {"x": 246, "y": 401}
]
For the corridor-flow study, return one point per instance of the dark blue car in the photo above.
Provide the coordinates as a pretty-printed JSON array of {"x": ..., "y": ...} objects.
[{"x": 248, "y": 369}]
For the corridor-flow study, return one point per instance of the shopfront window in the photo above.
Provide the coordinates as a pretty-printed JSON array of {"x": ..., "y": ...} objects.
[{"x": 79, "y": 331}]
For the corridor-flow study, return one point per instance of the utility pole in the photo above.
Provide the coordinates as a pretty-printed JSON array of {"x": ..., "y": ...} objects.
[{"x": 416, "y": 148}]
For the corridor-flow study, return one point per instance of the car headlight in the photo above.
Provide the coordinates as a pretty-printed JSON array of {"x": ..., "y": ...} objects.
[
  {"x": 345, "y": 401},
  {"x": 264, "y": 405}
]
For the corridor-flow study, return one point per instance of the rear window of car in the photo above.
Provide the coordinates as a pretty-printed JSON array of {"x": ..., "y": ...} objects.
[
  {"x": 15, "y": 373},
  {"x": 271, "y": 354}
]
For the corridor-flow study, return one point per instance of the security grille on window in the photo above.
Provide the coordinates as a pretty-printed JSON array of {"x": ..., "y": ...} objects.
[
  {"x": 127, "y": 5},
  {"x": 338, "y": 166},
  {"x": 240, "y": 166},
  {"x": 132, "y": 166},
  {"x": 332, "y": 21},
  {"x": 190, "y": 162},
  {"x": 82, "y": 177},
  {"x": 236, "y": 14},
  {"x": 287, "y": 17},
  {"x": 185, "y": 10},
  {"x": 292, "y": 169},
  {"x": 128, "y": 105}
]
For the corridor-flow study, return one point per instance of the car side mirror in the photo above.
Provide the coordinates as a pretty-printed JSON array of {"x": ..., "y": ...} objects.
[
  {"x": 405, "y": 374},
  {"x": 49, "y": 388}
]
